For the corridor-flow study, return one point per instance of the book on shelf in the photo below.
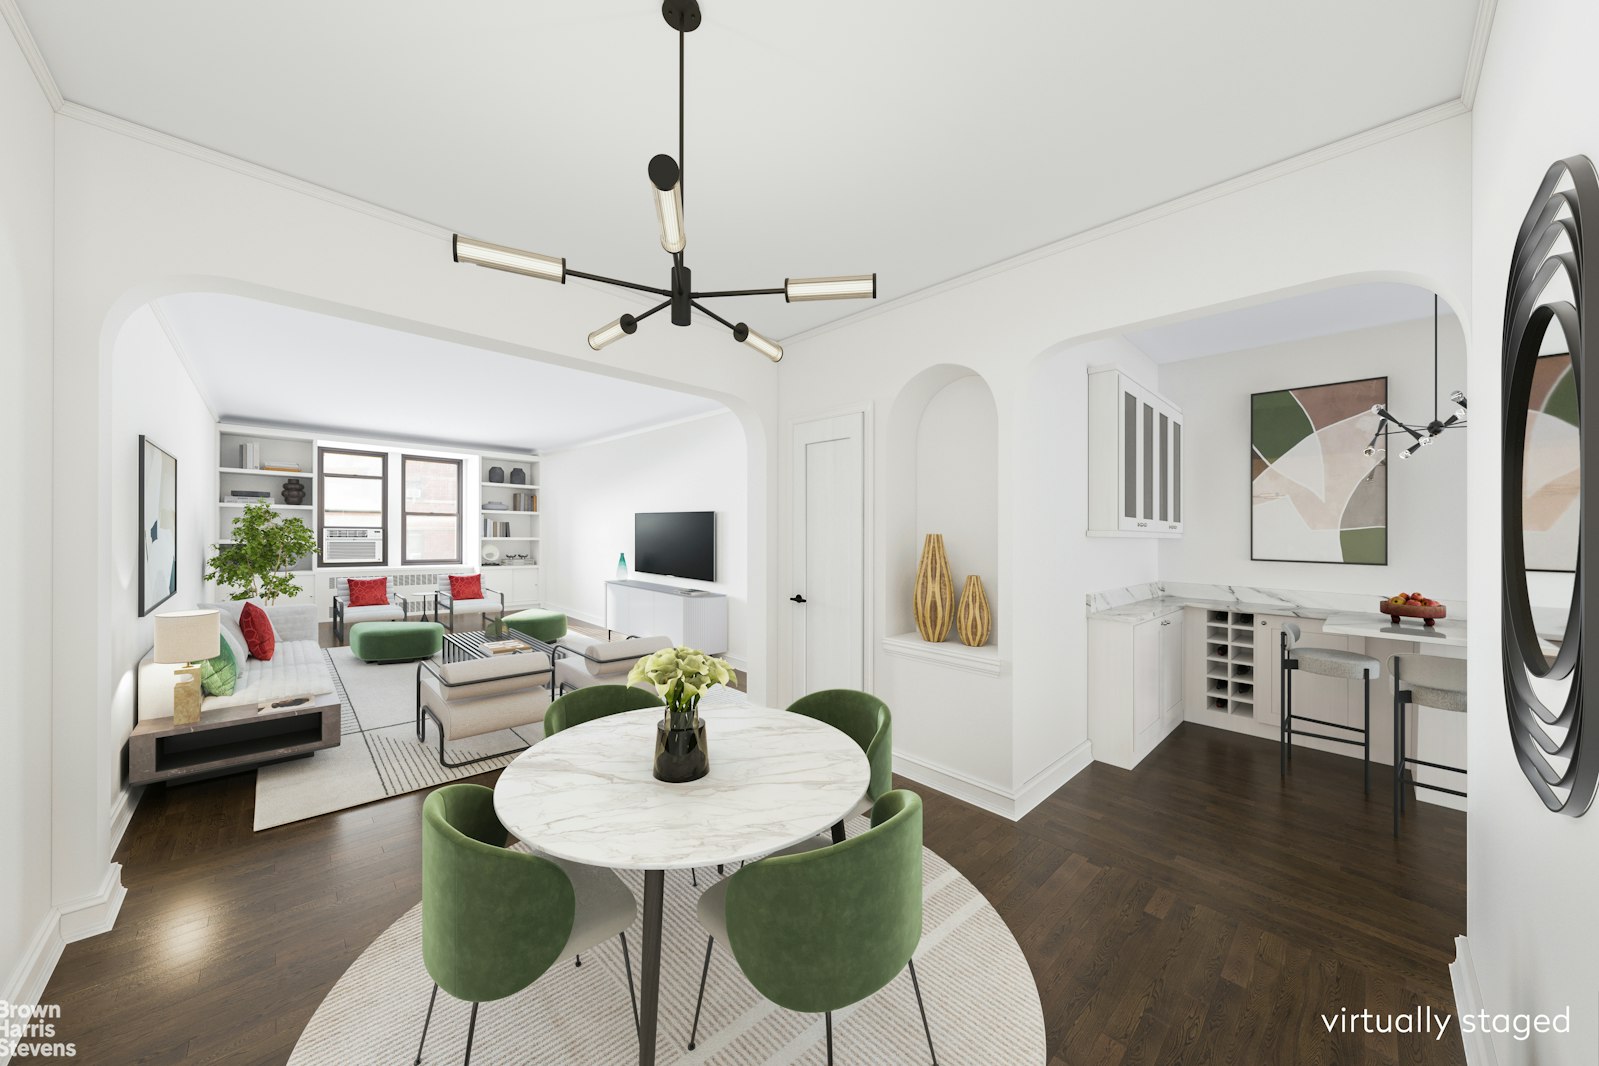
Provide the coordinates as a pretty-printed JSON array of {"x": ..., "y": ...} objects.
[
  {"x": 526, "y": 502},
  {"x": 250, "y": 494},
  {"x": 281, "y": 467},
  {"x": 493, "y": 528},
  {"x": 250, "y": 455}
]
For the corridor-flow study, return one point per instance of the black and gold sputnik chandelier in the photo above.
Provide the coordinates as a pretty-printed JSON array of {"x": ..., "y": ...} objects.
[{"x": 666, "y": 181}]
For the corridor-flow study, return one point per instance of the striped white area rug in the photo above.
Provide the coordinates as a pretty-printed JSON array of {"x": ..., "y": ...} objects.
[
  {"x": 378, "y": 753},
  {"x": 981, "y": 1000}
]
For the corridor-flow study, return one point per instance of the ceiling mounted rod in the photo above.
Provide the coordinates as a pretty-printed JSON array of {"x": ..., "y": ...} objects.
[{"x": 666, "y": 182}]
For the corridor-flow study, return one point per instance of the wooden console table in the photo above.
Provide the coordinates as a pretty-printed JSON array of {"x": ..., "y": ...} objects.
[{"x": 230, "y": 739}]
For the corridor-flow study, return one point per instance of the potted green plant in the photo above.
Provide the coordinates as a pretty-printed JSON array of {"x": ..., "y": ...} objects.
[
  {"x": 256, "y": 561},
  {"x": 680, "y": 677}
]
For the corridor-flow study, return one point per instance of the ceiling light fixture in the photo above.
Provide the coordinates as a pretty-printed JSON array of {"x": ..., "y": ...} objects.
[
  {"x": 666, "y": 181},
  {"x": 1421, "y": 435}
]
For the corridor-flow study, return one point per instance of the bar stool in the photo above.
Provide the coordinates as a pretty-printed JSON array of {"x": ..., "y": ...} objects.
[
  {"x": 1430, "y": 681},
  {"x": 1325, "y": 662}
]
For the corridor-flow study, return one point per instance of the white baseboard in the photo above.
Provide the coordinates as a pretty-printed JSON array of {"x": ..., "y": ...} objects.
[
  {"x": 1042, "y": 785},
  {"x": 1468, "y": 1000},
  {"x": 96, "y": 913},
  {"x": 988, "y": 795},
  {"x": 979, "y": 793},
  {"x": 122, "y": 813},
  {"x": 38, "y": 962}
]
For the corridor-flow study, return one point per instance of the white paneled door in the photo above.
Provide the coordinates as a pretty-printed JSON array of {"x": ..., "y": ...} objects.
[{"x": 828, "y": 593}]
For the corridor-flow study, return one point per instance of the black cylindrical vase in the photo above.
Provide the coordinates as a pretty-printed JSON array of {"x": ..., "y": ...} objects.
[{"x": 680, "y": 750}]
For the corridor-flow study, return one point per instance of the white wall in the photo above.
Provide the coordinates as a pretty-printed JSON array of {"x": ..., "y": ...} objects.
[
  {"x": 152, "y": 394},
  {"x": 1531, "y": 875},
  {"x": 1394, "y": 209},
  {"x": 957, "y": 452},
  {"x": 590, "y": 494},
  {"x": 1426, "y": 493},
  {"x": 27, "y": 948}
]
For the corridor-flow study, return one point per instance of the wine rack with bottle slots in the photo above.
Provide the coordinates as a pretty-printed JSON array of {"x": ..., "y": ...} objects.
[{"x": 1230, "y": 662}]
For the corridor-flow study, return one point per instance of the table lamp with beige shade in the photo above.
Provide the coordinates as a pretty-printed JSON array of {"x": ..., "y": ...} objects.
[{"x": 187, "y": 638}]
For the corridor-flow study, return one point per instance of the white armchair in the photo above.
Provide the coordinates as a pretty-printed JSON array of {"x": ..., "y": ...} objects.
[
  {"x": 582, "y": 661},
  {"x": 447, "y": 608},
  {"x": 468, "y": 698},
  {"x": 345, "y": 616}
]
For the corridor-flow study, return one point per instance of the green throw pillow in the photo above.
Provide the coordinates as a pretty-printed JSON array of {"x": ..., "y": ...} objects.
[{"x": 219, "y": 675}]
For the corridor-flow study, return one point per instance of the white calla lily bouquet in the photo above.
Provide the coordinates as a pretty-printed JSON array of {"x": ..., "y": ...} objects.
[{"x": 681, "y": 676}]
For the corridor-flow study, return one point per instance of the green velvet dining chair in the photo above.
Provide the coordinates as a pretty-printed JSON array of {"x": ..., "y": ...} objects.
[
  {"x": 596, "y": 701},
  {"x": 495, "y": 920},
  {"x": 819, "y": 930},
  {"x": 866, "y": 720}
]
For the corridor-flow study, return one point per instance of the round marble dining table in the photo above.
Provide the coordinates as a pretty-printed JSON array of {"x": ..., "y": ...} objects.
[{"x": 588, "y": 795}]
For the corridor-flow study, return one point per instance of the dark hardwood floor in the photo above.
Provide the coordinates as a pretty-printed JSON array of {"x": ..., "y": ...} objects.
[{"x": 1196, "y": 910}]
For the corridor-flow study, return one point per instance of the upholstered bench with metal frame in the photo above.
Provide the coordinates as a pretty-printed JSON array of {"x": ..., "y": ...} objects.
[
  {"x": 468, "y": 692},
  {"x": 1326, "y": 662},
  {"x": 581, "y": 661}
]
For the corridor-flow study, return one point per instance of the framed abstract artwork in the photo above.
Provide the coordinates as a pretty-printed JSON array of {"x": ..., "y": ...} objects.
[
  {"x": 158, "y": 526},
  {"x": 1551, "y": 481},
  {"x": 1315, "y": 495}
]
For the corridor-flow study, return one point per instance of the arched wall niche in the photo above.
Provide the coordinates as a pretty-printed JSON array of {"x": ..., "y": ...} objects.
[{"x": 943, "y": 465}]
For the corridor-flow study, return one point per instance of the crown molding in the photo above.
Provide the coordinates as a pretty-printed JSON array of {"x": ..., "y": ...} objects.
[
  {"x": 637, "y": 431},
  {"x": 1315, "y": 157},
  {"x": 90, "y": 116},
  {"x": 30, "y": 51},
  {"x": 1479, "y": 49}
]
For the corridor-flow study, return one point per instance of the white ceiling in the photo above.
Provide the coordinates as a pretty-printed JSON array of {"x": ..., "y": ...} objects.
[
  {"x": 263, "y": 362},
  {"x": 917, "y": 138},
  {"x": 1314, "y": 314}
]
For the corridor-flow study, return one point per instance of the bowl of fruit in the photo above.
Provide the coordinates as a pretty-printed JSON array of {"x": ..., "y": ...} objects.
[{"x": 1412, "y": 605}]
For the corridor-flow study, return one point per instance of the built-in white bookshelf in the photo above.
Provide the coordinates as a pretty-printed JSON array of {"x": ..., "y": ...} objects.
[
  {"x": 270, "y": 448},
  {"x": 1230, "y": 662},
  {"x": 508, "y": 518}
]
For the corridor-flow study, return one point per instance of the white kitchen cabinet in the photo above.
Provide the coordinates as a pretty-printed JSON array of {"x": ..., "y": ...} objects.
[
  {"x": 1135, "y": 686},
  {"x": 689, "y": 617},
  {"x": 1135, "y": 459}
]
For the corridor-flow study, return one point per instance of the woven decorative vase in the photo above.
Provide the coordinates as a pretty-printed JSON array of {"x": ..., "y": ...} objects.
[
  {"x": 935, "y": 591},
  {"x": 973, "y": 622}
]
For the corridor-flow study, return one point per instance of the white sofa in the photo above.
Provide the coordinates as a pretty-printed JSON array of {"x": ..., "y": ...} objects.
[
  {"x": 581, "y": 661},
  {"x": 297, "y": 667}
]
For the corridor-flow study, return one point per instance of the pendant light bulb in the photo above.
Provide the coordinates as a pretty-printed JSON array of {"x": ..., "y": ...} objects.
[
  {"x": 769, "y": 348},
  {"x": 612, "y": 332},
  {"x": 666, "y": 182},
  {"x": 499, "y": 257},
  {"x": 853, "y": 287}
]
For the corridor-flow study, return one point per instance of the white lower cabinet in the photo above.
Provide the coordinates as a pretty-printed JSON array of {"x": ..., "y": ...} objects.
[
  {"x": 1135, "y": 686},
  {"x": 519, "y": 583}
]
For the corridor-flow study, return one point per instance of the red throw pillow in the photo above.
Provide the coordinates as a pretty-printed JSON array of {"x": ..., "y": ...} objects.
[
  {"x": 258, "y": 632},
  {"x": 369, "y": 592},
  {"x": 467, "y": 588}
]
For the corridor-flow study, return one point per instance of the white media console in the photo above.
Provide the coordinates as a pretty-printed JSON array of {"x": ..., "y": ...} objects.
[{"x": 690, "y": 617}]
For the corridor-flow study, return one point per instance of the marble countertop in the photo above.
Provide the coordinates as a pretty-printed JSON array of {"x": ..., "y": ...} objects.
[
  {"x": 1143, "y": 610},
  {"x": 1448, "y": 631},
  {"x": 587, "y": 794}
]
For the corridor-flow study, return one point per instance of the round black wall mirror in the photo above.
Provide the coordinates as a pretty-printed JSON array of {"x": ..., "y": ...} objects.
[{"x": 1546, "y": 396}]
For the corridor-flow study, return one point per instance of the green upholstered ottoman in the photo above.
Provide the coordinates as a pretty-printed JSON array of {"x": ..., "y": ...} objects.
[
  {"x": 540, "y": 625},
  {"x": 396, "y": 642}
]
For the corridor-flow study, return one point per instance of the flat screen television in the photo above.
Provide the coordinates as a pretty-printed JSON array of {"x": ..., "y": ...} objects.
[{"x": 675, "y": 544}]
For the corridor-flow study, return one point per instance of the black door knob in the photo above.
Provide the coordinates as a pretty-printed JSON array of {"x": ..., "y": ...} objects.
[{"x": 797, "y": 599}]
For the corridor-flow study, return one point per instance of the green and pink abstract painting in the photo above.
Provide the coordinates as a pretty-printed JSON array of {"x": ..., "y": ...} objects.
[{"x": 1316, "y": 497}]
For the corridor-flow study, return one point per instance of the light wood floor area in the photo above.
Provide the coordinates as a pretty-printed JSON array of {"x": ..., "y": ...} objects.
[{"x": 1196, "y": 910}]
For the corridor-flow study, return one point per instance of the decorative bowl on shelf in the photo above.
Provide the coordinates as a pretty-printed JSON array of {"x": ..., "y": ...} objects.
[{"x": 1429, "y": 613}]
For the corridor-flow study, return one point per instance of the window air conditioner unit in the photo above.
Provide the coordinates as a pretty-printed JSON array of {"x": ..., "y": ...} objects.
[{"x": 352, "y": 545}]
